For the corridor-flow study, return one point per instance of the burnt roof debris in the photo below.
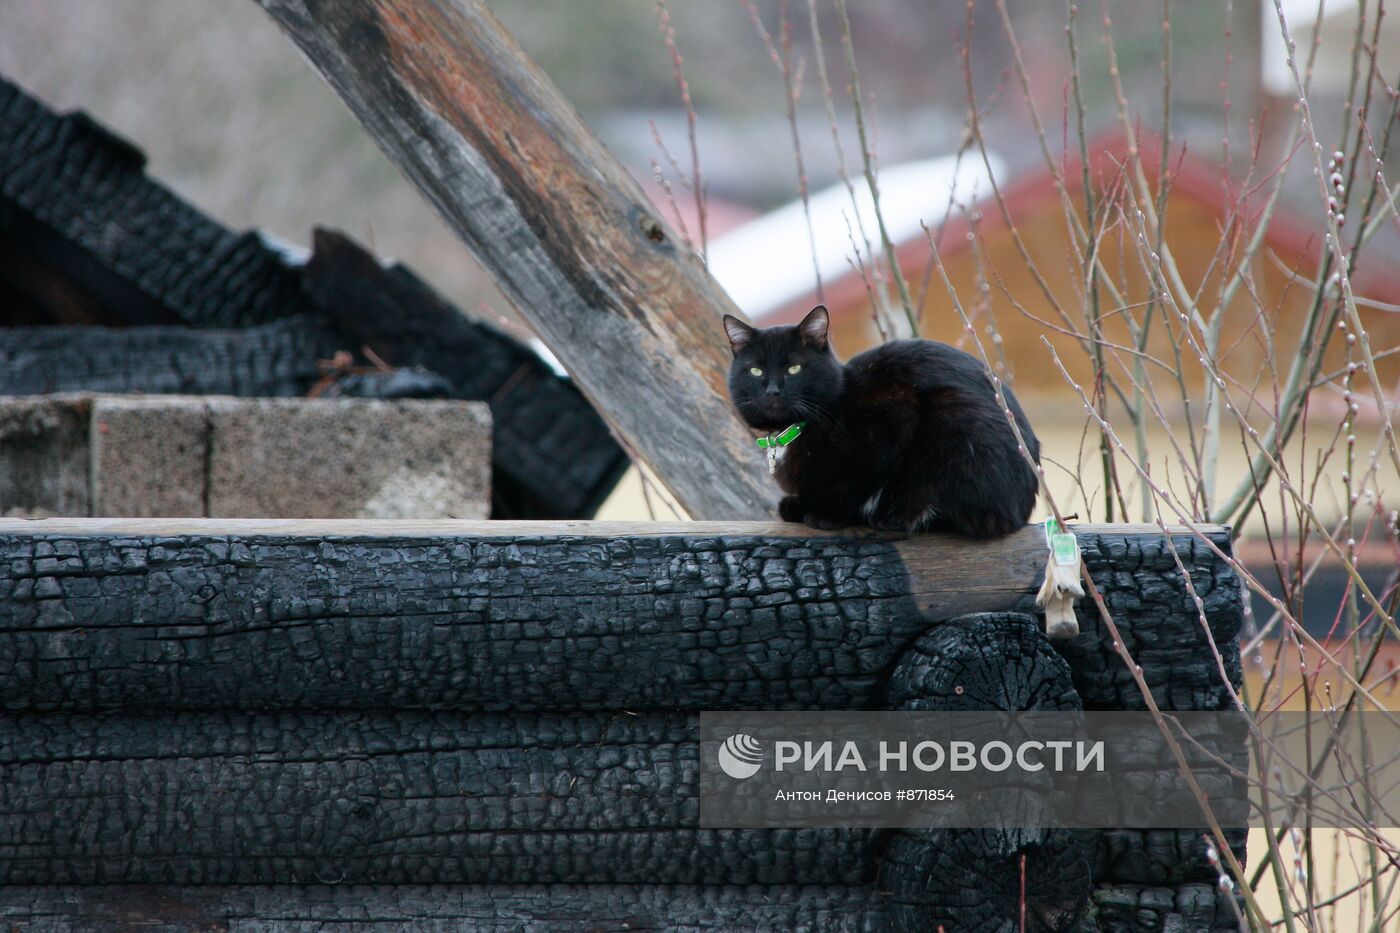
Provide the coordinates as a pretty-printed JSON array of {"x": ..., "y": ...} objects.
[
  {"x": 111, "y": 282},
  {"x": 80, "y": 204}
]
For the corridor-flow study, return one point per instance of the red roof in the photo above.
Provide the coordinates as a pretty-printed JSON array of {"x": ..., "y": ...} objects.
[{"x": 1296, "y": 239}]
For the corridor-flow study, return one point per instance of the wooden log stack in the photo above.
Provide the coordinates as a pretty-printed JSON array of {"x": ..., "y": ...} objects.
[{"x": 495, "y": 724}]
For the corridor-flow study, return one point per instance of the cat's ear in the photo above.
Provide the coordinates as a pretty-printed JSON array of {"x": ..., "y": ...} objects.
[
  {"x": 739, "y": 333},
  {"x": 815, "y": 327}
]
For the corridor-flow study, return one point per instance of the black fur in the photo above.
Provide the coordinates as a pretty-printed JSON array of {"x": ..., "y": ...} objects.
[{"x": 906, "y": 436}]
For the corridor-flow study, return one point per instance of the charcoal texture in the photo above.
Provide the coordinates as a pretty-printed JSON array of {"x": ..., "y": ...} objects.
[
  {"x": 379, "y": 798},
  {"x": 276, "y": 359},
  {"x": 1189, "y": 907},
  {"x": 1141, "y": 584},
  {"x": 972, "y": 879},
  {"x": 446, "y": 909},
  {"x": 501, "y": 732},
  {"x": 460, "y": 623},
  {"x": 983, "y": 661},
  {"x": 519, "y": 624},
  {"x": 1142, "y": 587},
  {"x": 86, "y": 209}
]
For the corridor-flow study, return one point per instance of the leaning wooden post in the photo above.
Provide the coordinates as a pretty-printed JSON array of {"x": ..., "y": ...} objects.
[{"x": 569, "y": 237}]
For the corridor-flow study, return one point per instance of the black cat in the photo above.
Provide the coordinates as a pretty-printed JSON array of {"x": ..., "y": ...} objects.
[{"x": 906, "y": 436}]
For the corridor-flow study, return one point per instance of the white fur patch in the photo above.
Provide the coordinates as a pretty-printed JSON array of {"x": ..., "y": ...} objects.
[
  {"x": 927, "y": 518},
  {"x": 868, "y": 510}
]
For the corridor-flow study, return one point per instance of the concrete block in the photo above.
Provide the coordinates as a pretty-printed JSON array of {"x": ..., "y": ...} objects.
[
  {"x": 149, "y": 456},
  {"x": 44, "y": 455},
  {"x": 348, "y": 458}
]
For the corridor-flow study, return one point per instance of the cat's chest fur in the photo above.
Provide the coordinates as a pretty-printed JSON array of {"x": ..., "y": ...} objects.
[{"x": 874, "y": 423}]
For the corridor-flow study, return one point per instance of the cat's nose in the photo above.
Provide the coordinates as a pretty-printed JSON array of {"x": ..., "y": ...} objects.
[{"x": 773, "y": 388}]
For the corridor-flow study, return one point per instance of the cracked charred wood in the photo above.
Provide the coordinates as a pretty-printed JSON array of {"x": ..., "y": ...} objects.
[
  {"x": 273, "y": 359},
  {"x": 999, "y": 661},
  {"x": 535, "y": 908},
  {"x": 380, "y": 798},
  {"x": 568, "y": 235},
  {"x": 200, "y": 615},
  {"x": 106, "y": 244},
  {"x": 1196, "y": 907},
  {"x": 982, "y": 661},
  {"x": 418, "y": 797},
  {"x": 972, "y": 879},
  {"x": 1157, "y": 856},
  {"x": 195, "y": 702}
]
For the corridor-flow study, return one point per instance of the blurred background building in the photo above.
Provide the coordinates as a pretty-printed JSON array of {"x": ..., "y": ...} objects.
[
  {"x": 234, "y": 120},
  {"x": 231, "y": 117}
]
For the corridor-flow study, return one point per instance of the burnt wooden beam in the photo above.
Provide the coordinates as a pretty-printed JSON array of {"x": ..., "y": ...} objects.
[
  {"x": 568, "y": 236},
  {"x": 560, "y": 615},
  {"x": 389, "y": 797},
  {"x": 553, "y": 456},
  {"x": 274, "y": 359},
  {"x": 981, "y": 878},
  {"x": 769, "y": 909},
  {"x": 75, "y": 202},
  {"x": 395, "y": 797},
  {"x": 380, "y": 704},
  {"x": 766, "y": 908}
]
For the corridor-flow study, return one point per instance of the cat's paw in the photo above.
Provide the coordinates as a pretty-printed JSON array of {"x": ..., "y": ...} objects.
[{"x": 790, "y": 509}]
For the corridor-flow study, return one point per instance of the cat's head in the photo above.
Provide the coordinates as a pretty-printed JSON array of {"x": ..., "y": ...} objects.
[{"x": 783, "y": 374}]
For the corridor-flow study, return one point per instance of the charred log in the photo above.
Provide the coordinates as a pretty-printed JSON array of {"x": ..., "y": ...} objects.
[{"x": 249, "y": 703}]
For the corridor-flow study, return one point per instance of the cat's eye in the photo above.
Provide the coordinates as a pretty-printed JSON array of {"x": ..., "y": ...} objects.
[
  {"x": 755, "y": 371},
  {"x": 794, "y": 369}
]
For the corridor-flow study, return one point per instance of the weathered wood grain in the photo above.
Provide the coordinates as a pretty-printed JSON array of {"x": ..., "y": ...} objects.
[
  {"x": 201, "y": 615},
  {"x": 569, "y": 237}
]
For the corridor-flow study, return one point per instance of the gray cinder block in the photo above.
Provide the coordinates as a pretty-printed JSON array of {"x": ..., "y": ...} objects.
[
  {"x": 348, "y": 458},
  {"x": 169, "y": 456},
  {"x": 44, "y": 455},
  {"x": 149, "y": 456}
]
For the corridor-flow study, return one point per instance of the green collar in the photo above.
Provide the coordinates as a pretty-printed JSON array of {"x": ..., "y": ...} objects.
[{"x": 782, "y": 438}]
